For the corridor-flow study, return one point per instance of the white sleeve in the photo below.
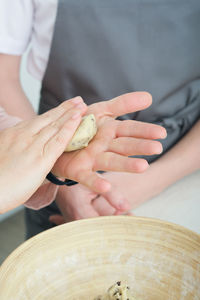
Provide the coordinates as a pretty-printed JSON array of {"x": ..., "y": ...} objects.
[{"x": 16, "y": 22}]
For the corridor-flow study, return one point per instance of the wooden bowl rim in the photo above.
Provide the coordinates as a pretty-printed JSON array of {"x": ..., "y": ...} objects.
[{"x": 73, "y": 224}]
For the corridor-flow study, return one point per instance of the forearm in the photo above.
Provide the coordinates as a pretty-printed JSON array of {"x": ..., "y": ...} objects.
[
  {"x": 12, "y": 96},
  {"x": 14, "y": 101},
  {"x": 183, "y": 159}
]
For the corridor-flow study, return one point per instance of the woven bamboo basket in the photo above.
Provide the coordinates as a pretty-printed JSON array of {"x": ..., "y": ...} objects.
[{"x": 80, "y": 260}]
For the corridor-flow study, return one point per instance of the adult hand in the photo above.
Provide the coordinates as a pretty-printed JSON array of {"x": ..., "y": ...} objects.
[
  {"x": 30, "y": 149},
  {"x": 113, "y": 143}
]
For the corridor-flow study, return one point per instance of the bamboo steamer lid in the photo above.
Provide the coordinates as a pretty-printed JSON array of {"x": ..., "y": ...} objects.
[{"x": 80, "y": 260}]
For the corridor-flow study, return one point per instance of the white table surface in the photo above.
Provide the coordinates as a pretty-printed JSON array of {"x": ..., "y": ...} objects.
[{"x": 179, "y": 204}]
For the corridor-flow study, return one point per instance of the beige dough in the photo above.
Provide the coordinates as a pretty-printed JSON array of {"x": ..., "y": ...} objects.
[
  {"x": 117, "y": 291},
  {"x": 84, "y": 134}
]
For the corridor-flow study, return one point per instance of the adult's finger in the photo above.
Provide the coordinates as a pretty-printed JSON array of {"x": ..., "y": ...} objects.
[
  {"x": 122, "y": 105},
  {"x": 137, "y": 129},
  {"x": 133, "y": 146},
  {"x": 57, "y": 135},
  {"x": 54, "y": 114},
  {"x": 109, "y": 161}
]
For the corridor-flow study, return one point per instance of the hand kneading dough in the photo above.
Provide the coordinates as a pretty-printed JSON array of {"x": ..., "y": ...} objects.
[
  {"x": 84, "y": 134},
  {"x": 117, "y": 291}
]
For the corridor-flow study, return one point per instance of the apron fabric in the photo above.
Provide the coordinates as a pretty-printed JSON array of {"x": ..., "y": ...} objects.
[{"x": 104, "y": 48}]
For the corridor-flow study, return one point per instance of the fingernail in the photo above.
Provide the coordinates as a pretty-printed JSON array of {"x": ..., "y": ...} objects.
[
  {"x": 164, "y": 135},
  {"x": 76, "y": 115},
  {"x": 77, "y": 100},
  {"x": 159, "y": 149}
]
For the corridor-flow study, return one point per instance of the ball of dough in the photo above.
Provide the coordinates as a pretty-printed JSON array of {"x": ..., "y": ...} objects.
[
  {"x": 117, "y": 291},
  {"x": 84, "y": 134}
]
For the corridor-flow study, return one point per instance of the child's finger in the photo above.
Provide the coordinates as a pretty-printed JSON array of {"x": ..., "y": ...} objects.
[
  {"x": 117, "y": 199},
  {"x": 119, "y": 213},
  {"x": 86, "y": 211},
  {"x": 123, "y": 104},
  {"x": 103, "y": 207},
  {"x": 93, "y": 181},
  {"x": 57, "y": 219},
  {"x": 137, "y": 129},
  {"x": 109, "y": 161},
  {"x": 134, "y": 146}
]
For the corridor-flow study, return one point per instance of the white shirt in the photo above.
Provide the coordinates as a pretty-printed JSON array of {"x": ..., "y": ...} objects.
[{"x": 24, "y": 22}]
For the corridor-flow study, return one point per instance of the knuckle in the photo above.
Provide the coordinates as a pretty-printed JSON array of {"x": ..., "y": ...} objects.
[
  {"x": 60, "y": 140},
  {"x": 47, "y": 117},
  {"x": 140, "y": 165},
  {"x": 54, "y": 124}
]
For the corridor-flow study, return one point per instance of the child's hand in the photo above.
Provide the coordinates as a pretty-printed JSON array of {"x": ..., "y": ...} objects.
[{"x": 113, "y": 143}]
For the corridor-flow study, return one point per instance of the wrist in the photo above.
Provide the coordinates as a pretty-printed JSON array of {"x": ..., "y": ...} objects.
[
  {"x": 182, "y": 159},
  {"x": 60, "y": 194},
  {"x": 169, "y": 169},
  {"x": 158, "y": 177}
]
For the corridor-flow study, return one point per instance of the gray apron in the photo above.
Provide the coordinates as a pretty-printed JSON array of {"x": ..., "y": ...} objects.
[{"x": 104, "y": 48}]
